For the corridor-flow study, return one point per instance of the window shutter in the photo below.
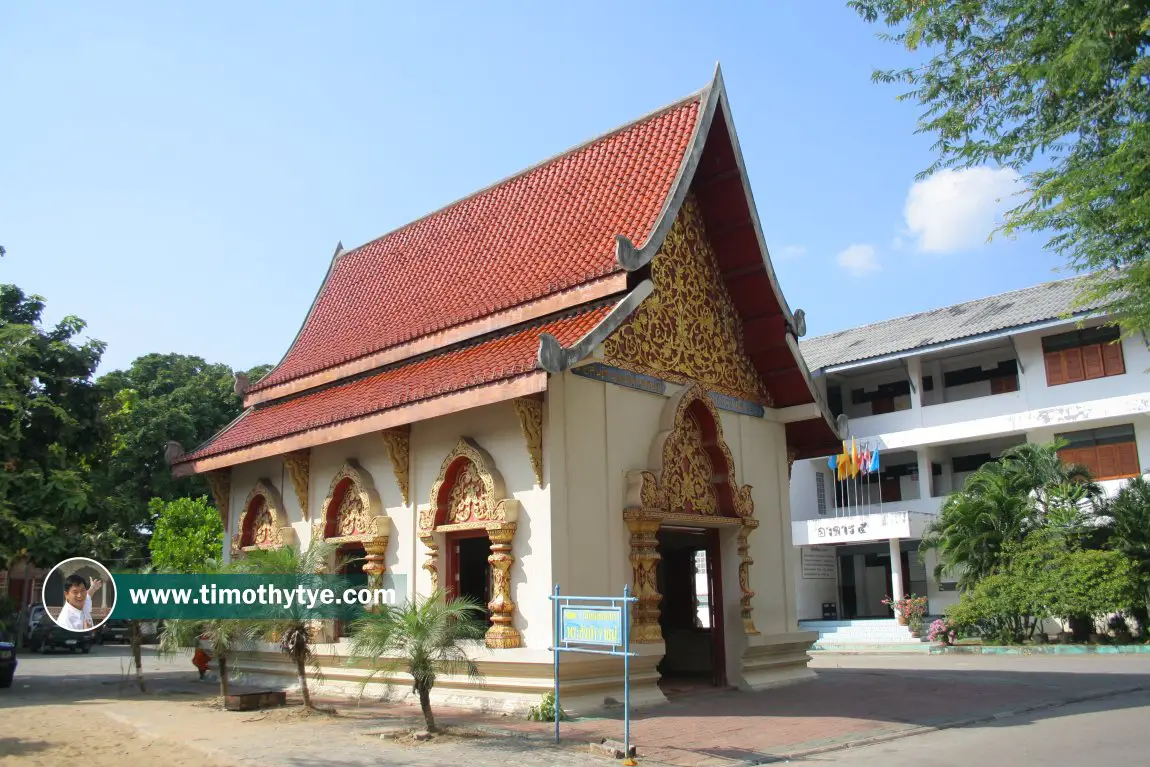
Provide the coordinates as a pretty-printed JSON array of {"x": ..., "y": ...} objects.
[
  {"x": 1112, "y": 359},
  {"x": 1055, "y": 369},
  {"x": 1092, "y": 361},
  {"x": 1107, "y": 462},
  {"x": 1073, "y": 361},
  {"x": 1128, "y": 459}
]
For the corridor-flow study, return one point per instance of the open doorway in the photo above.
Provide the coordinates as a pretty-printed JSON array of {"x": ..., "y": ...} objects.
[
  {"x": 351, "y": 558},
  {"x": 469, "y": 573},
  {"x": 690, "y": 613}
]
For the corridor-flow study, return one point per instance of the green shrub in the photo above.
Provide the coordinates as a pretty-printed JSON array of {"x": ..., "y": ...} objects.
[{"x": 545, "y": 711}]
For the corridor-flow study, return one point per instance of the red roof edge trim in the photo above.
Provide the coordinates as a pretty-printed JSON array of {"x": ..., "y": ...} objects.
[
  {"x": 627, "y": 254},
  {"x": 531, "y": 311}
]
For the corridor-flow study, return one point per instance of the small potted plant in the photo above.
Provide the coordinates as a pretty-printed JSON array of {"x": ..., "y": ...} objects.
[
  {"x": 942, "y": 632},
  {"x": 910, "y": 610}
]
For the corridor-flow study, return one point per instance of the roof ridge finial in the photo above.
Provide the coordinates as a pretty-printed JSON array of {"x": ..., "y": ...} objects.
[{"x": 338, "y": 250}]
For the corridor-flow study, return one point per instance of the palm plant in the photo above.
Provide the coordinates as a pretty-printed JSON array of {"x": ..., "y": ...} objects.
[
  {"x": 1129, "y": 512},
  {"x": 1027, "y": 488},
  {"x": 295, "y": 632},
  {"x": 224, "y": 637},
  {"x": 424, "y": 637},
  {"x": 976, "y": 523}
]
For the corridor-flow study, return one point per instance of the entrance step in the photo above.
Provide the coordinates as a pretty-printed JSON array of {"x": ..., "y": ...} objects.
[{"x": 861, "y": 632}]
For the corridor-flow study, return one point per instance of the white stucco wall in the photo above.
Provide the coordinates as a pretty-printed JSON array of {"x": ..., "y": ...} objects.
[
  {"x": 496, "y": 429},
  {"x": 607, "y": 430}
]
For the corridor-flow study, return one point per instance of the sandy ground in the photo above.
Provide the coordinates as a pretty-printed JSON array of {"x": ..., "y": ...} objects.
[{"x": 50, "y": 736}]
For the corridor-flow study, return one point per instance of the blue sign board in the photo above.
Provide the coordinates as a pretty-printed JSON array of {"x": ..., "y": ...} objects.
[
  {"x": 591, "y": 625},
  {"x": 595, "y": 621}
]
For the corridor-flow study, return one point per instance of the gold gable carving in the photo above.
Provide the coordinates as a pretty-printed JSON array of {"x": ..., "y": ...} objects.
[{"x": 688, "y": 329}]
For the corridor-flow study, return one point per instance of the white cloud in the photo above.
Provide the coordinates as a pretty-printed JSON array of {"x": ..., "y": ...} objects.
[
  {"x": 957, "y": 209},
  {"x": 789, "y": 252},
  {"x": 858, "y": 259}
]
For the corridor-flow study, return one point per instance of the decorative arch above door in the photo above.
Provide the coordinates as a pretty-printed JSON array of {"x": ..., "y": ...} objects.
[
  {"x": 469, "y": 494},
  {"x": 262, "y": 523},
  {"x": 352, "y": 513},
  {"x": 690, "y": 480}
]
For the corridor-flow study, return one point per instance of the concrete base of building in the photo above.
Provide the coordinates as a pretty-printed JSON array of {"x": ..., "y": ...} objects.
[
  {"x": 511, "y": 681},
  {"x": 771, "y": 660}
]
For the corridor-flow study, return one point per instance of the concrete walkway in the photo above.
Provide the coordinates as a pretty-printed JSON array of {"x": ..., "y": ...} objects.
[{"x": 856, "y": 700}]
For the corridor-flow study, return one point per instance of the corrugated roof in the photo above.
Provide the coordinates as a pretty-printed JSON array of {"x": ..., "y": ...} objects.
[{"x": 1017, "y": 308}]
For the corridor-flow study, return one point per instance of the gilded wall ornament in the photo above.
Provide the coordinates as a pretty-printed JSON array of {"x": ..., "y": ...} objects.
[
  {"x": 351, "y": 507},
  {"x": 688, "y": 329},
  {"x": 694, "y": 479},
  {"x": 469, "y": 494},
  {"x": 263, "y": 524},
  {"x": 745, "y": 562},
  {"x": 220, "y": 484},
  {"x": 398, "y": 444},
  {"x": 298, "y": 465},
  {"x": 530, "y": 413}
]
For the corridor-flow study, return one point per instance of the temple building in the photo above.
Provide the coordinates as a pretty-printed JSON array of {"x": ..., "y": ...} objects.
[{"x": 583, "y": 375}]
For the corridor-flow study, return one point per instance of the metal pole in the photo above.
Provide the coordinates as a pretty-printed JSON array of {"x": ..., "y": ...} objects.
[
  {"x": 555, "y": 650},
  {"x": 626, "y": 675}
]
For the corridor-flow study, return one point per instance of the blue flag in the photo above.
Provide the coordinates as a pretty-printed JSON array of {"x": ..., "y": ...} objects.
[
  {"x": 833, "y": 462},
  {"x": 873, "y": 468}
]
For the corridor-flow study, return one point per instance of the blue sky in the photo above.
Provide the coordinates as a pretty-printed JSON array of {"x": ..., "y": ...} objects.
[{"x": 178, "y": 174}]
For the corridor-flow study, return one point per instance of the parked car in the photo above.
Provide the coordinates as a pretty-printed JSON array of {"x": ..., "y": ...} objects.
[
  {"x": 116, "y": 630},
  {"x": 48, "y": 636},
  {"x": 7, "y": 661},
  {"x": 35, "y": 613}
]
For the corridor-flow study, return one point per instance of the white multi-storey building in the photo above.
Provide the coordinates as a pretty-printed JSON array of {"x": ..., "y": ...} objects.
[{"x": 939, "y": 394}]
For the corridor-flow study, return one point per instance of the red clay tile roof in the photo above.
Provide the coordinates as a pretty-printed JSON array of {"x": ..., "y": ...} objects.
[
  {"x": 503, "y": 357},
  {"x": 548, "y": 229}
]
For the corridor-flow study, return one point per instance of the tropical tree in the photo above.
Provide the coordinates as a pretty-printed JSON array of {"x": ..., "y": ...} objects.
[
  {"x": 975, "y": 525},
  {"x": 1129, "y": 514},
  {"x": 1026, "y": 489},
  {"x": 188, "y": 535},
  {"x": 1059, "y": 91},
  {"x": 160, "y": 398},
  {"x": 424, "y": 637},
  {"x": 223, "y": 636},
  {"x": 295, "y": 632},
  {"x": 50, "y": 432}
]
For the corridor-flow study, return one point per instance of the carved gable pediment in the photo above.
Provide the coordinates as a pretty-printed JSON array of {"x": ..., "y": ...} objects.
[{"x": 688, "y": 329}]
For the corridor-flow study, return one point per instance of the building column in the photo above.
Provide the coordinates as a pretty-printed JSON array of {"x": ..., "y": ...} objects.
[
  {"x": 925, "y": 472},
  {"x": 914, "y": 373},
  {"x": 896, "y": 589}
]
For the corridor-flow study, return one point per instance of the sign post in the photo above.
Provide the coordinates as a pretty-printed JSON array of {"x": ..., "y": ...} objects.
[{"x": 583, "y": 624}]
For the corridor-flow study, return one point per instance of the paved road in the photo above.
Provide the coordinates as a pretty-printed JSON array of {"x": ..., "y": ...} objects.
[
  {"x": 855, "y": 698},
  {"x": 1111, "y": 731}
]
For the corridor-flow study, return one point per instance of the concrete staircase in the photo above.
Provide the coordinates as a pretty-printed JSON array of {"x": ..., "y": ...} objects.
[{"x": 876, "y": 635}]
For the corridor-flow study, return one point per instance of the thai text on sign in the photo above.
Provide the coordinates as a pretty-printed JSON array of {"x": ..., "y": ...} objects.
[{"x": 592, "y": 625}]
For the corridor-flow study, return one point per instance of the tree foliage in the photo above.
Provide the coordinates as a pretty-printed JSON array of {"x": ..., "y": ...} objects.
[
  {"x": 425, "y": 638},
  {"x": 295, "y": 632},
  {"x": 1059, "y": 91},
  {"x": 81, "y": 458},
  {"x": 50, "y": 430},
  {"x": 1027, "y": 488},
  {"x": 188, "y": 534},
  {"x": 161, "y": 398}
]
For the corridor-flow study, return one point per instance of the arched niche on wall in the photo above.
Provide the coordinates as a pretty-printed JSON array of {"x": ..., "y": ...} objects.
[
  {"x": 469, "y": 494},
  {"x": 352, "y": 513},
  {"x": 262, "y": 523},
  {"x": 690, "y": 479}
]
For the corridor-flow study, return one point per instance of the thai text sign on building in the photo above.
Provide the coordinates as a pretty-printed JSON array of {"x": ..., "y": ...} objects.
[{"x": 591, "y": 625}]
